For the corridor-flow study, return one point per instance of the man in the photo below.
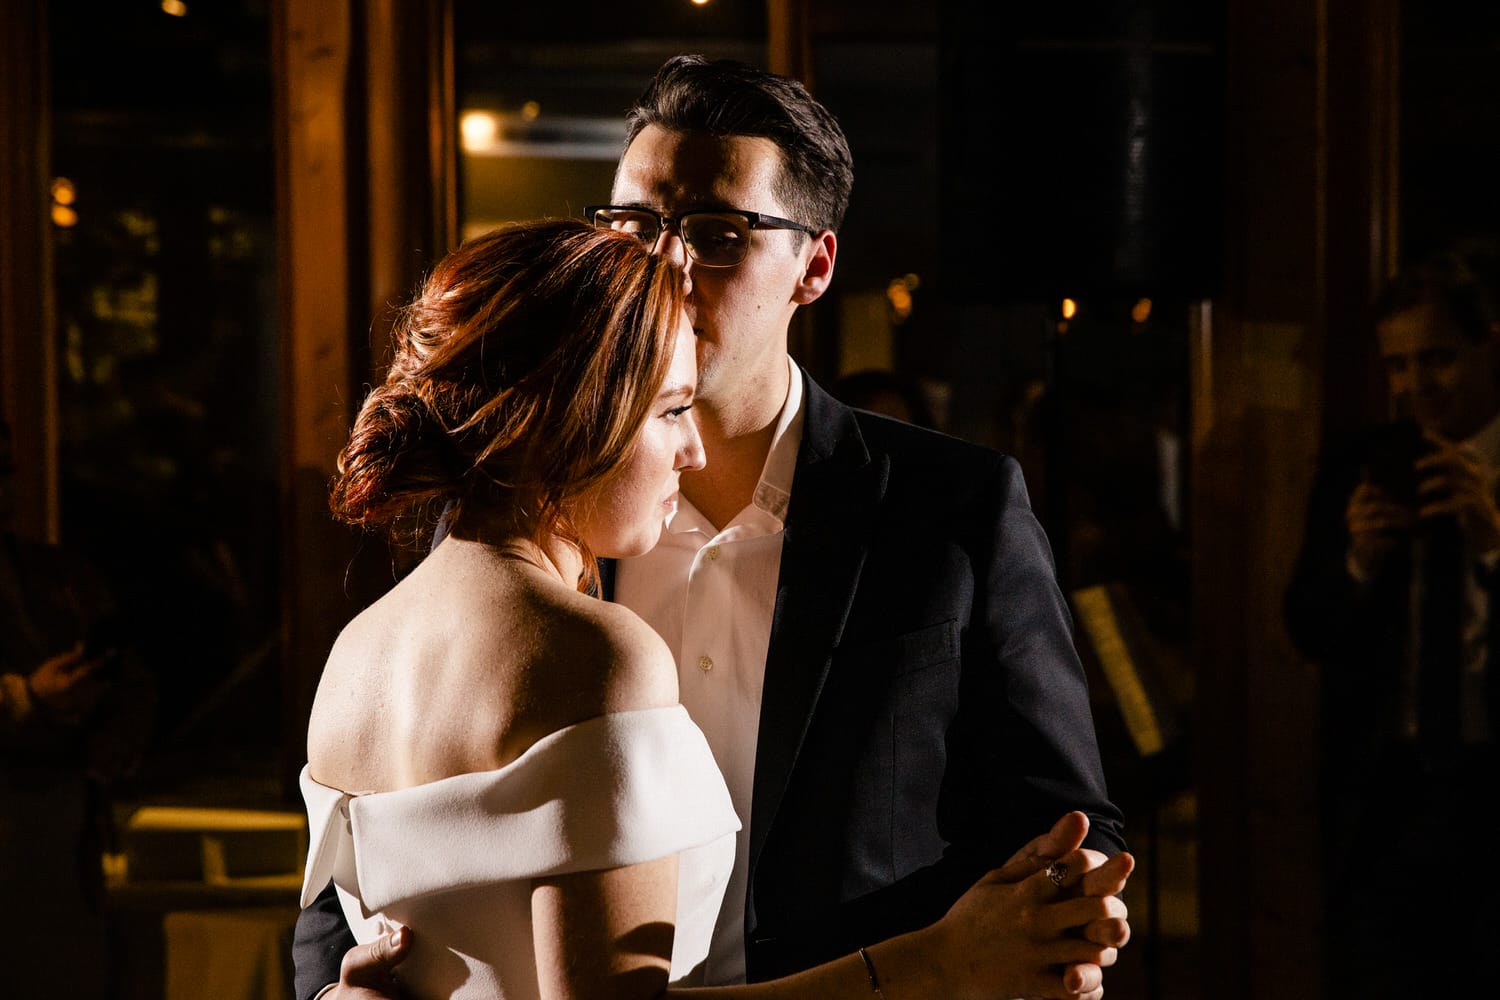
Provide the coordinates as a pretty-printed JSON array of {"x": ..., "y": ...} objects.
[
  {"x": 864, "y": 613},
  {"x": 1394, "y": 595}
]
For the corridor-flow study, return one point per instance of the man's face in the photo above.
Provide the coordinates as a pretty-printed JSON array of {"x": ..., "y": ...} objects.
[
  {"x": 1437, "y": 376},
  {"x": 739, "y": 313}
]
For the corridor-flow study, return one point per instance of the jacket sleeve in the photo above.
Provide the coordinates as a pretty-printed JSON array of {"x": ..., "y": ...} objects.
[
  {"x": 966, "y": 775},
  {"x": 1030, "y": 752},
  {"x": 321, "y": 938}
]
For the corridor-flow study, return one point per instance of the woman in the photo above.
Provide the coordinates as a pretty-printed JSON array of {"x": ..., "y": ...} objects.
[{"x": 496, "y": 759}]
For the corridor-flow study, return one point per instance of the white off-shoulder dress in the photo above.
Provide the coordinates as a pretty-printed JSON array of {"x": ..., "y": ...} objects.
[{"x": 454, "y": 859}]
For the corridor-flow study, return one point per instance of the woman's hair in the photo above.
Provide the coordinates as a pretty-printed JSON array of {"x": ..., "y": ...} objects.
[{"x": 522, "y": 373}]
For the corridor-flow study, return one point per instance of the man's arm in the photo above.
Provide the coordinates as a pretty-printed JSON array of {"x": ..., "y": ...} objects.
[
  {"x": 368, "y": 971},
  {"x": 1022, "y": 747},
  {"x": 319, "y": 943},
  {"x": 1025, "y": 746}
]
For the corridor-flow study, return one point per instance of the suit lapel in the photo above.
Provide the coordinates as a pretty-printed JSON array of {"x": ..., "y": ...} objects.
[{"x": 835, "y": 494}]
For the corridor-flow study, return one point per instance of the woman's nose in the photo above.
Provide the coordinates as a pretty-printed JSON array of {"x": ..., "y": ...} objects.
[{"x": 691, "y": 457}]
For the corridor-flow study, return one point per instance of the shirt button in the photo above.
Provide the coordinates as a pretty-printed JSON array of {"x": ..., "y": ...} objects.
[
  {"x": 713, "y": 552},
  {"x": 705, "y": 663}
]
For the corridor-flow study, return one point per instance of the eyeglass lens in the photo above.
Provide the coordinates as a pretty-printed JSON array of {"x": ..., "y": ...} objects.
[{"x": 712, "y": 239}]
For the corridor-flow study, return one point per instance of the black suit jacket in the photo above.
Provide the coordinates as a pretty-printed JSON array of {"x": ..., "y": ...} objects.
[{"x": 924, "y": 713}]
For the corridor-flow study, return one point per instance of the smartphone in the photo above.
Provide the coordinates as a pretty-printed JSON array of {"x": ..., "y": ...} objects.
[
  {"x": 104, "y": 638},
  {"x": 1392, "y": 460}
]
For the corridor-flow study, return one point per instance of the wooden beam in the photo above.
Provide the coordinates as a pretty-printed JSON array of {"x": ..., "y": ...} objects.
[
  {"x": 366, "y": 162},
  {"x": 318, "y": 261},
  {"x": 28, "y": 354}
]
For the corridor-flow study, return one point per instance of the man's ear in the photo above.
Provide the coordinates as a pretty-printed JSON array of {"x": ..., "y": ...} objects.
[{"x": 818, "y": 271}]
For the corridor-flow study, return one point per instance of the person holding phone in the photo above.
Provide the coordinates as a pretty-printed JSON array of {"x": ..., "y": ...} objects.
[
  {"x": 76, "y": 710},
  {"x": 1396, "y": 596}
]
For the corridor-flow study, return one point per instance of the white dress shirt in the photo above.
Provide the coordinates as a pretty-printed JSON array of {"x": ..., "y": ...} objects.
[
  {"x": 710, "y": 593},
  {"x": 1474, "y": 722}
]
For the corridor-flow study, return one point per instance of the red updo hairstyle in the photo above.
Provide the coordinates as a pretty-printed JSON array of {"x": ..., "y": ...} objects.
[{"x": 522, "y": 374}]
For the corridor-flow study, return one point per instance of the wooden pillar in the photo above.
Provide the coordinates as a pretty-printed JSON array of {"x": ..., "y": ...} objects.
[
  {"x": 410, "y": 120},
  {"x": 28, "y": 357},
  {"x": 365, "y": 151},
  {"x": 1308, "y": 209},
  {"x": 788, "y": 41},
  {"x": 313, "y": 48}
]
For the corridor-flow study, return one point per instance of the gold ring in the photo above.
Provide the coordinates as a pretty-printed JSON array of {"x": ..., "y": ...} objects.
[{"x": 1057, "y": 871}]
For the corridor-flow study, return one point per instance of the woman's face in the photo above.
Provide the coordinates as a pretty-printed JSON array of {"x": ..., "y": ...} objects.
[{"x": 624, "y": 515}]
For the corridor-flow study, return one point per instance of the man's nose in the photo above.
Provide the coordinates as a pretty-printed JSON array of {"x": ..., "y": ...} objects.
[{"x": 669, "y": 244}]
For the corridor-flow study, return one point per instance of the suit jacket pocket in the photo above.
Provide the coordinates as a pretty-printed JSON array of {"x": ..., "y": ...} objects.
[
  {"x": 899, "y": 693},
  {"x": 907, "y": 652}
]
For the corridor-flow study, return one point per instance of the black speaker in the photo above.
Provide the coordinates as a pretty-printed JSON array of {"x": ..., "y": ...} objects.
[{"x": 1082, "y": 149}]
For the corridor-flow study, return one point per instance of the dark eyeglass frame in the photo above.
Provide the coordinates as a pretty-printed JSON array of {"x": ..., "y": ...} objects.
[{"x": 755, "y": 220}]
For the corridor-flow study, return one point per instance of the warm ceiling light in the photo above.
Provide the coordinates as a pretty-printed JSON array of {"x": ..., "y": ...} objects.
[
  {"x": 1069, "y": 308},
  {"x": 479, "y": 130},
  {"x": 64, "y": 216},
  {"x": 63, "y": 192},
  {"x": 699, "y": 3},
  {"x": 1141, "y": 311},
  {"x": 174, "y": 7}
]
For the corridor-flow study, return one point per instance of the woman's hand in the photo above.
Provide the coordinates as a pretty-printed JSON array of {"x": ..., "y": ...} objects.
[{"x": 1045, "y": 924}]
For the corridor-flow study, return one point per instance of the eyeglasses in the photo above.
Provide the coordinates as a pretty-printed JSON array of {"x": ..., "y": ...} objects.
[{"x": 713, "y": 237}]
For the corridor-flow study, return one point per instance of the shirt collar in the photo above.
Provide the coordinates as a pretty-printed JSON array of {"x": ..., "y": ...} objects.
[
  {"x": 1486, "y": 444},
  {"x": 773, "y": 492}
]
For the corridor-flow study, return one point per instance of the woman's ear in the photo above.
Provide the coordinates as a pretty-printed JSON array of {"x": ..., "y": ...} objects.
[{"x": 818, "y": 271}]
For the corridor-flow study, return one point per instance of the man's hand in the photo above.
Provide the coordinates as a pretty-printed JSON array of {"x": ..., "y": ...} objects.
[
  {"x": 1452, "y": 484},
  {"x": 1375, "y": 523},
  {"x": 1093, "y": 876},
  {"x": 67, "y": 684},
  {"x": 368, "y": 971},
  {"x": 1043, "y": 936}
]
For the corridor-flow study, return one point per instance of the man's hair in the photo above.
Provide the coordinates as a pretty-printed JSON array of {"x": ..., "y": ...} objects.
[
  {"x": 722, "y": 97},
  {"x": 1447, "y": 282}
]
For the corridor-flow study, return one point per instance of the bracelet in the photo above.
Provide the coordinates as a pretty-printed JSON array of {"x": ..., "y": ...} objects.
[{"x": 870, "y": 971}]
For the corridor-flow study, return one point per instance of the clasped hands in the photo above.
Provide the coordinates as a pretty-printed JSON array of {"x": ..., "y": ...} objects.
[
  {"x": 1050, "y": 919},
  {"x": 1044, "y": 925}
]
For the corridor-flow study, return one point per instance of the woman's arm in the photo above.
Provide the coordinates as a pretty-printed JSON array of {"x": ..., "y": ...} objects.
[
  {"x": 605, "y": 933},
  {"x": 1015, "y": 932},
  {"x": 1001, "y": 939}
]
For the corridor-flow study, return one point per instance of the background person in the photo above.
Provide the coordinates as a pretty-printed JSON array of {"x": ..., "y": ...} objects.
[
  {"x": 1394, "y": 596},
  {"x": 76, "y": 710}
]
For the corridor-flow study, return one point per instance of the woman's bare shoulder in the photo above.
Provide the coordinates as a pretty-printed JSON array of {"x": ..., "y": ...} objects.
[
  {"x": 437, "y": 679},
  {"x": 608, "y": 650}
]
